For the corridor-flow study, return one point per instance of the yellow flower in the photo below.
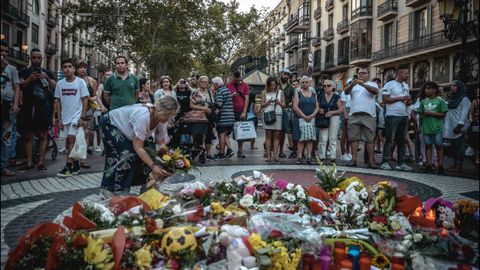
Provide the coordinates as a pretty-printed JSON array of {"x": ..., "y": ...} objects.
[
  {"x": 154, "y": 198},
  {"x": 166, "y": 158},
  {"x": 95, "y": 254},
  {"x": 217, "y": 208},
  {"x": 256, "y": 241},
  {"x": 380, "y": 261},
  {"x": 143, "y": 257}
]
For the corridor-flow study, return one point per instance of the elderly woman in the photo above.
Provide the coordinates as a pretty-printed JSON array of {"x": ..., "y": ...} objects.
[
  {"x": 165, "y": 90},
  {"x": 306, "y": 107},
  {"x": 456, "y": 122},
  {"x": 272, "y": 100},
  {"x": 124, "y": 131},
  {"x": 331, "y": 107},
  {"x": 200, "y": 100}
]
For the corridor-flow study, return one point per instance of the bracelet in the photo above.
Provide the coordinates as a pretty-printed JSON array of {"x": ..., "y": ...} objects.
[{"x": 152, "y": 165}]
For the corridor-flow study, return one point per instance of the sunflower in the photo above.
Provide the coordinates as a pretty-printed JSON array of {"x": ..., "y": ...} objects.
[{"x": 380, "y": 261}]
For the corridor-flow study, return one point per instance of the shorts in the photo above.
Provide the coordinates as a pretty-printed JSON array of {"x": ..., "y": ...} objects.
[
  {"x": 361, "y": 127},
  {"x": 69, "y": 130},
  {"x": 35, "y": 118},
  {"x": 224, "y": 129},
  {"x": 436, "y": 139}
]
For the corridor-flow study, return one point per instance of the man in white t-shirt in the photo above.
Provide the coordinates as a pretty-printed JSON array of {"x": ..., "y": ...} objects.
[
  {"x": 361, "y": 122},
  {"x": 344, "y": 144},
  {"x": 71, "y": 97},
  {"x": 396, "y": 96}
]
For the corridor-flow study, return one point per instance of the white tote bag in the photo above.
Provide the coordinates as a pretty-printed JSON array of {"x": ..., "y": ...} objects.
[
  {"x": 79, "y": 150},
  {"x": 244, "y": 131}
]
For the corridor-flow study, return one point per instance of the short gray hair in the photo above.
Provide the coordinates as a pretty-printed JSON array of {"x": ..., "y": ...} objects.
[
  {"x": 167, "y": 103},
  {"x": 218, "y": 81},
  {"x": 305, "y": 79}
]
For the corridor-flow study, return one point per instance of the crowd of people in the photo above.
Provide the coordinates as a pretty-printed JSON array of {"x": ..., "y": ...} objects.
[{"x": 310, "y": 121}]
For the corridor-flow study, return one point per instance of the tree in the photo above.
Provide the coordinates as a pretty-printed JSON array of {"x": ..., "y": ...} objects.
[{"x": 171, "y": 36}]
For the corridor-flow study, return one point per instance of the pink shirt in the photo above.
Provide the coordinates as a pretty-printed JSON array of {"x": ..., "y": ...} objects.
[{"x": 239, "y": 101}]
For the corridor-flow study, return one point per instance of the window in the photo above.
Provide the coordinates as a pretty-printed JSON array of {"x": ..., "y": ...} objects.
[
  {"x": 304, "y": 9},
  {"x": 361, "y": 8},
  {"x": 330, "y": 21},
  {"x": 19, "y": 37},
  {"x": 343, "y": 52},
  {"x": 345, "y": 12},
  {"x": 361, "y": 39},
  {"x": 318, "y": 29},
  {"x": 317, "y": 58},
  {"x": 6, "y": 32},
  {"x": 329, "y": 56},
  {"x": 36, "y": 7},
  {"x": 388, "y": 32},
  {"x": 420, "y": 23},
  {"x": 34, "y": 33}
]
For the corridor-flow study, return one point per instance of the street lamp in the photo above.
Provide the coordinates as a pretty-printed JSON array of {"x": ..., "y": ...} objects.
[
  {"x": 454, "y": 14},
  {"x": 88, "y": 52}
]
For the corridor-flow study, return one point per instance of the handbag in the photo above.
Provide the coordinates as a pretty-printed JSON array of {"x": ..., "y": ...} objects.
[
  {"x": 321, "y": 121},
  {"x": 244, "y": 131},
  {"x": 270, "y": 117}
]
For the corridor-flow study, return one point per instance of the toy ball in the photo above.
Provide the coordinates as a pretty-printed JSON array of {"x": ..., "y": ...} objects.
[{"x": 178, "y": 240}]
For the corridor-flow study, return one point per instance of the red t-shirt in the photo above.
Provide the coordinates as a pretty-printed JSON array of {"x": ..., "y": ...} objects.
[{"x": 239, "y": 101}]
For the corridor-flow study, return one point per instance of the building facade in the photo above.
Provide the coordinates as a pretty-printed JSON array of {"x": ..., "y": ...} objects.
[{"x": 333, "y": 38}]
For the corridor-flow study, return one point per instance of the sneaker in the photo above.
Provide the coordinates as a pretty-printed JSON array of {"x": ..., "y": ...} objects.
[
  {"x": 282, "y": 155},
  {"x": 344, "y": 157},
  {"x": 62, "y": 151},
  {"x": 65, "y": 172},
  {"x": 98, "y": 149},
  {"x": 386, "y": 166},
  {"x": 349, "y": 156},
  {"x": 403, "y": 167},
  {"x": 292, "y": 155},
  {"x": 351, "y": 163},
  {"x": 76, "y": 168},
  {"x": 89, "y": 151},
  {"x": 299, "y": 161},
  {"x": 240, "y": 155},
  {"x": 219, "y": 156},
  {"x": 229, "y": 153},
  {"x": 310, "y": 161}
]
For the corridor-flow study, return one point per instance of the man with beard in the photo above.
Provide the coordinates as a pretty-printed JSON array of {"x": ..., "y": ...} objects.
[{"x": 288, "y": 93}]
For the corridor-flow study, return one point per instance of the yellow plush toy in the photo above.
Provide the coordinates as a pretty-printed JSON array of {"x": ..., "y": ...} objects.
[{"x": 178, "y": 239}]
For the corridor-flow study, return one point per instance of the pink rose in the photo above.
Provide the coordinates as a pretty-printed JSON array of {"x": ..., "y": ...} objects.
[{"x": 281, "y": 185}]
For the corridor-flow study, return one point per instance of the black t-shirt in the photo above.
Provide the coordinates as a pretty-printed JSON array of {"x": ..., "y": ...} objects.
[
  {"x": 27, "y": 93},
  {"x": 183, "y": 98}
]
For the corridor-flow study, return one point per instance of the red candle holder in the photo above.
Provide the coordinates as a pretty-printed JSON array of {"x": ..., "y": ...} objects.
[{"x": 338, "y": 252}]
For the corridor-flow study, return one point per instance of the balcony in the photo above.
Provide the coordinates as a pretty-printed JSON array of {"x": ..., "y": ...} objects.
[
  {"x": 52, "y": 21},
  {"x": 329, "y": 62},
  {"x": 51, "y": 49},
  {"x": 317, "y": 14},
  {"x": 342, "y": 26},
  {"x": 298, "y": 24},
  {"x": 361, "y": 55},
  {"x": 17, "y": 56},
  {"x": 426, "y": 42},
  {"x": 387, "y": 10},
  {"x": 361, "y": 12},
  {"x": 290, "y": 46},
  {"x": 343, "y": 60},
  {"x": 328, "y": 34},
  {"x": 328, "y": 5},
  {"x": 317, "y": 41},
  {"x": 304, "y": 44},
  {"x": 415, "y": 3},
  {"x": 23, "y": 20},
  {"x": 9, "y": 12}
]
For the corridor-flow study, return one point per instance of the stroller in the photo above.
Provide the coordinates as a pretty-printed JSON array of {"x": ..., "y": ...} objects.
[{"x": 192, "y": 123}]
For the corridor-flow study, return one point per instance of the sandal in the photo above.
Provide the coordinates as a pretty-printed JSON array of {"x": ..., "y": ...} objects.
[
  {"x": 253, "y": 147},
  {"x": 299, "y": 161},
  {"x": 351, "y": 164},
  {"x": 310, "y": 161},
  {"x": 268, "y": 159},
  {"x": 7, "y": 172},
  {"x": 85, "y": 165},
  {"x": 277, "y": 160}
]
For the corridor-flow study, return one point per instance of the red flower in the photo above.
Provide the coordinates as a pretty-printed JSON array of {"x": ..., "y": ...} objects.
[
  {"x": 79, "y": 241},
  {"x": 197, "y": 216},
  {"x": 173, "y": 264},
  {"x": 316, "y": 208},
  {"x": 380, "y": 219},
  {"x": 276, "y": 234},
  {"x": 150, "y": 224},
  {"x": 264, "y": 197},
  {"x": 198, "y": 193}
]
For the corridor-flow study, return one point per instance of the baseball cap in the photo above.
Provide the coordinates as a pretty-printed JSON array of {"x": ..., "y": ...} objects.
[{"x": 286, "y": 70}]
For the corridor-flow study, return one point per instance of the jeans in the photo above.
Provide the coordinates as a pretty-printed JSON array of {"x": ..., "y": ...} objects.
[
  {"x": 8, "y": 140},
  {"x": 395, "y": 128},
  {"x": 329, "y": 135},
  {"x": 458, "y": 150}
]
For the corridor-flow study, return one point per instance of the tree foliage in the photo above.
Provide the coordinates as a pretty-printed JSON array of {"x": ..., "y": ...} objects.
[{"x": 172, "y": 37}]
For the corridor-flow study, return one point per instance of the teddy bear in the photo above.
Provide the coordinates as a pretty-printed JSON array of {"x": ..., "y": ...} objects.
[{"x": 238, "y": 254}]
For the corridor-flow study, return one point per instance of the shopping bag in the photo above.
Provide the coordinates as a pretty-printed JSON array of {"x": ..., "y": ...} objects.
[
  {"x": 244, "y": 131},
  {"x": 79, "y": 150}
]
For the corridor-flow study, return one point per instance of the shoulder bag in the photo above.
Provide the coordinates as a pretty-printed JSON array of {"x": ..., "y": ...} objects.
[
  {"x": 321, "y": 121},
  {"x": 270, "y": 117}
]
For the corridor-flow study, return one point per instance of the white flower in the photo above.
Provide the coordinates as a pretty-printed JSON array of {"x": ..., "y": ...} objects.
[
  {"x": 400, "y": 248},
  {"x": 398, "y": 254},
  {"x": 247, "y": 200},
  {"x": 407, "y": 243},
  {"x": 177, "y": 209},
  {"x": 289, "y": 197},
  {"x": 301, "y": 194},
  {"x": 408, "y": 237},
  {"x": 417, "y": 237},
  {"x": 299, "y": 188},
  {"x": 106, "y": 214},
  {"x": 290, "y": 186},
  {"x": 363, "y": 194}
]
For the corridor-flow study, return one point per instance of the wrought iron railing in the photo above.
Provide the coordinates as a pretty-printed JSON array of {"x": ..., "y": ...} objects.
[
  {"x": 328, "y": 34},
  {"x": 328, "y": 5},
  {"x": 389, "y": 5},
  {"x": 342, "y": 26},
  {"x": 362, "y": 52}
]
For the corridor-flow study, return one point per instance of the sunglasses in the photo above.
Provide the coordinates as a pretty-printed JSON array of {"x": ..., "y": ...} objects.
[{"x": 328, "y": 85}]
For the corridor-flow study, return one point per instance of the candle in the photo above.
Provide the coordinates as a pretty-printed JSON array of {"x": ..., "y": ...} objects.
[
  {"x": 365, "y": 261},
  {"x": 462, "y": 266},
  {"x": 325, "y": 257},
  {"x": 339, "y": 251},
  {"x": 397, "y": 263},
  {"x": 346, "y": 262},
  {"x": 354, "y": 251},
  {"x": 317, "y": 265},
  {"x": 308, "y": 261}
]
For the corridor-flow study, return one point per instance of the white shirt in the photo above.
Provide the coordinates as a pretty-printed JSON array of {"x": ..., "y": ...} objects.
[
  {"x": 160, "y": 93},
  {"x": 361, "y": 100},
  {"x": 70, "y": 95},
  {"x": 134, "y": 122},
  {"x": 346, "y": 98},
  {"x": 272, "y": 96},
  {"x": 396, "y": 89}
]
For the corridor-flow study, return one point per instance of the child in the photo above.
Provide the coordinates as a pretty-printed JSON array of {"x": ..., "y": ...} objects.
[
  {"x": 71, "y": 98},
  {"x": 432, "y": 111}
]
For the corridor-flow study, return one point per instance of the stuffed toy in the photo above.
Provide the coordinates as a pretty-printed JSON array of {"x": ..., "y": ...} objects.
[{"x": 239, "y": 255}]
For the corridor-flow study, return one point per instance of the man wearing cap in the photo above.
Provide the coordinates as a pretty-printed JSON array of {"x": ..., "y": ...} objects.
[{"x": 288, "y": 93}]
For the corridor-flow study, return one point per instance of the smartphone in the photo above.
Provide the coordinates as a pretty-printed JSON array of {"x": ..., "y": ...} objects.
[{"x": 355, "y": 77}]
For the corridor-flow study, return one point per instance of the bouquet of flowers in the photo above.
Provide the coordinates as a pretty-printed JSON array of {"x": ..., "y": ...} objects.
[
  {"x": 383, "y": 198},
  {"x": 467, "y": 215},
  {"x": 173, "y": 160}
]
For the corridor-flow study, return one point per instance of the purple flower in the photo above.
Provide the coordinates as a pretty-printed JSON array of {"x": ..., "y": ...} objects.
[
  {"x": 179, "y": 164},
  {"x": 249, "y": 190},
  {"x": 171, "y": 152},
  {"x": 281, "y": 184}
]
